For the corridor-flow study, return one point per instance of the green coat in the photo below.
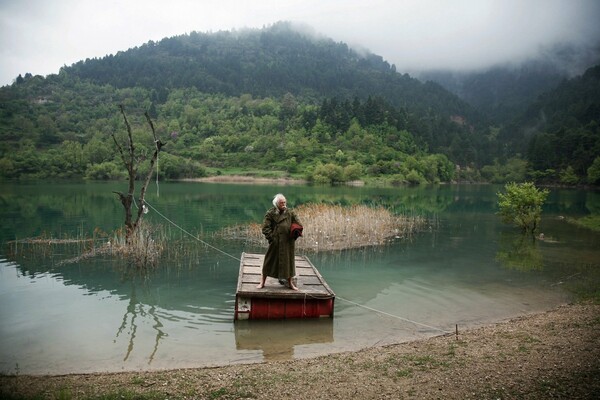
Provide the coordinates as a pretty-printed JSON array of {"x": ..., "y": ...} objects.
[{"x": 279, "y": 260}]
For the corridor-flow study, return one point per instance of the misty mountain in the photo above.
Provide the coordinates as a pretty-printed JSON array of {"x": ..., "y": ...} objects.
[
  {"x": 575, "y": 103},
  {"x": 269, "y": 62},
  {"x": 504, "y": 92},
  {"x": 560, "y": 130},
  {"x": 286, "y": 100},
  {"x": 275, "y": 99}
]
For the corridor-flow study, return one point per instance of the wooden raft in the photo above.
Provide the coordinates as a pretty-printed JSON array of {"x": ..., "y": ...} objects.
[{"x": 314, "y": 299}]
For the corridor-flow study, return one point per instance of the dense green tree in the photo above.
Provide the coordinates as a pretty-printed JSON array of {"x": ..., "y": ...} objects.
[
  {"x": 593, "y": 172},
  {"x": 7, "y": 168},
  {"x": 174, "y": 167},
  {"x": 108, "y": 170},
  {"x": 329, "y": 173},
  {"x": 514, "y": 170},
  {"x": 415, "y": 177},
  {"x": 568, "y": 176},
  {"x": 353, "y": 171},
  {"x": 66, "y": 161},
  {"x": 521, "y": 205},
  {"x": 98, "y": 149}
]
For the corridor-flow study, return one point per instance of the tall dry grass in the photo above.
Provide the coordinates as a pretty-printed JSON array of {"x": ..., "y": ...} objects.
[
  {"x": 143, "y": 250},
  {"x": 326, "y": 228},
  {"x": 333, "y": 227},
  {"x": 144, "y": 247}
]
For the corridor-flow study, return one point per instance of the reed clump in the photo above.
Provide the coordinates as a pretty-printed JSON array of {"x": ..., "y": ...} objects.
[
  {"x": 45, "y": 246},
  {"x": 143, "y": 250},
  {"x": 334, "y": 227}
]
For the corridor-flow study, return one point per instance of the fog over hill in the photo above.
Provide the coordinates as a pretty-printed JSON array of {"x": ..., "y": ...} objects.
[
  {"x": 228, "y": 96},
  {"x": 505, "y": 90},
  {"x": 39, "y": 37}
]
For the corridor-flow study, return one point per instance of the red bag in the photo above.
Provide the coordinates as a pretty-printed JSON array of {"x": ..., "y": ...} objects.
[{"x": 296, "y": 231}]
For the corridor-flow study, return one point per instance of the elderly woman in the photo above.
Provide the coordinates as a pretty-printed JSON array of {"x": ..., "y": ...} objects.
[{"x": 279, "y": 260}]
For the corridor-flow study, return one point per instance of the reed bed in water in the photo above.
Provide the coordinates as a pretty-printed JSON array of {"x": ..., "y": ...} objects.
[
  {"x": 45, "y": 246},
  {"x": 333, "y": 227},
  {"x": 143, "y": 251}
]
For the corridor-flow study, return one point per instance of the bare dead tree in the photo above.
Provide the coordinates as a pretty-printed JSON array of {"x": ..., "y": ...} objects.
[{"x": 131, "y": 161}]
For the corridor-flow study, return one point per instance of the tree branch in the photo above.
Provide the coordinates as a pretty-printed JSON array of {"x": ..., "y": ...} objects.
[
  {"x": 131, "y": 163},
  {"x": 159, "y": 145}
]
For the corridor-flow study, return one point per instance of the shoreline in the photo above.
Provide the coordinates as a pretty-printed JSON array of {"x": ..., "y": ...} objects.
[
  {"x": 246, "y": 179},
  {"x": 250, "y": 179},
  {"x": 552, "y": 353}
]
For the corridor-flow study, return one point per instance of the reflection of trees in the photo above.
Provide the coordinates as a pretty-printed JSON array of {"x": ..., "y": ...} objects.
[
  {"x": 59, "y": 210},
  {"x": 159, "y": 333},
  {"x": 519, "y": 252},
  {"x": 592, "y": 202},
  {"x": 77, "y": 209},
  {"x": 418, "y": 199},
  {"x": 131, "y": 309},
  {"x": 135, "y": 309}
]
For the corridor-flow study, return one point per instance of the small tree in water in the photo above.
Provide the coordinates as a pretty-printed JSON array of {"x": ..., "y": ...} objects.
[
  {"x": 521, "y": 205},
  {"x": 131, "y": 160}
]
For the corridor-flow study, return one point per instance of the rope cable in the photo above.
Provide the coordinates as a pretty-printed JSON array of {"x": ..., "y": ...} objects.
[
  {"x": 305, "y": 294},
  {"x": 189, "y": 234},
  {"x": 157, "y": 152},
  {"x": 392, "y": 315}
]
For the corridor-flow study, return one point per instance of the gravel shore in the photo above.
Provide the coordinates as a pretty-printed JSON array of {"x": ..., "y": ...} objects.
[{"x": 549, "y": 355}]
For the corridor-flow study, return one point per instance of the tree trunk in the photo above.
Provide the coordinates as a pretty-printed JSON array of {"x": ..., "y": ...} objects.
[{"x": 131, "y": 163}]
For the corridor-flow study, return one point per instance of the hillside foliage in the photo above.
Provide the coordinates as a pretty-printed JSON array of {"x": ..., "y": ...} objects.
[{"x": 282, "y": 101}]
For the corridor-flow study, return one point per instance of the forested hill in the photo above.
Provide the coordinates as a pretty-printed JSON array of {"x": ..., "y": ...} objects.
[
  {"x": 279, "y": 101},
  {"x": 267, "y": 63},
  {"x": 502, "y": 92},
  {"x": 562, "y": 128},
  {"x": 573, "y": 104},
  {"x": 543, "y": 116}
]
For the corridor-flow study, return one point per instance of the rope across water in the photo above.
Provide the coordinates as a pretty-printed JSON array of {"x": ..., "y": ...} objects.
[
  {"x": 392, "y": 315},
  {"x": 306, "y": 294},
  {"x": 189, "y": 234}
]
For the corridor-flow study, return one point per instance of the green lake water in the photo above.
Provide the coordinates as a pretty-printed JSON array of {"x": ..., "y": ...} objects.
[{"x": 466, "y": 268}]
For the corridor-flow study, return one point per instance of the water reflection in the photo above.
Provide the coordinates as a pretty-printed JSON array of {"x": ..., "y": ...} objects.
[
  {"x": 93, "y": 316},
  {"x": 78, "y": 209},
  {"x": 277, "y": 339},
  {"x": 135, "y": 309},
  {"x": 520, "y": 252}
]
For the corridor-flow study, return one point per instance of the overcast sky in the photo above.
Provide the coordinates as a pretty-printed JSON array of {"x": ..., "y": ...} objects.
[{"x": 41, "y": 36}]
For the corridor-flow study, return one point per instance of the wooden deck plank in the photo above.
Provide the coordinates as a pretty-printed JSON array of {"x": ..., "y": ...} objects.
[
  {"x": 313, "y": 299},
  {"x": 307, "y": 278}
]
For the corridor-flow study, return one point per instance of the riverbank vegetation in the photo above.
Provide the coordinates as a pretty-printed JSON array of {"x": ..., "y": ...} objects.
[
  {"x": 590, "y": 222},
  {"x": 279, "y": 100}
]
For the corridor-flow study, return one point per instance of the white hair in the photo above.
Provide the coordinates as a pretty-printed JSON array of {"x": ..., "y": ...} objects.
[{"x": 277, "y": 198}]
